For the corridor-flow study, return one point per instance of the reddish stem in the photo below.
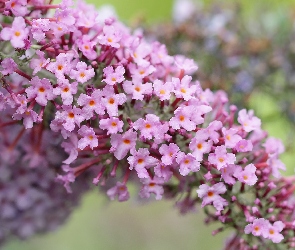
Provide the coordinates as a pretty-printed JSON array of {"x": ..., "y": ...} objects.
[{"x": 23, "y": 74}]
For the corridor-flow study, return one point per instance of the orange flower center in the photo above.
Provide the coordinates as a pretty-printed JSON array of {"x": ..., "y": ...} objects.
[
  {"x": 126, "y": 141},
  {"x": 111, "y": 101},
  {"x": 71, "y": 115},
  {"x": 186, "y": 161},
  {"x": 210, "y": 193},
  {"x": 41, "y": 89}
]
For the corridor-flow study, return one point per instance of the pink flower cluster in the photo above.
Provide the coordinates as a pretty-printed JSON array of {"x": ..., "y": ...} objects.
[
  {"x": 262, "y": 227},
  {"x": 128, "y": 110}
]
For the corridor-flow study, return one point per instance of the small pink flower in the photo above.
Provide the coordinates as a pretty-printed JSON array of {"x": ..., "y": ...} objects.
[
  {"x": 160, "y": 55},
  {"x": 67, "y": 179},
  {"x": 199, "y": 146},
  {"x": 39, "y": 27},
  {"x": 65, "y": 15},
  {"x": 83, "y": 73},
  {"x": 258, "y": 227},
  {"x": 163, "y": 90},
  {"x": 123, "y": 143},
  {"x": 140, "y": 160},
  {"x": 247, "y": 175},
  {"x": 248, "y": 120},
  {"x": 183, "y": 118},
  {"x": 152, "y": 186},
  {"x": 227, "y": 174},
  {"x": 139, "y": 52},
  {"x": 149, "y": 127},
  {"x": 230, "y": 137},
  {"x": 71, "y": 147},
  {"x": 92, "y": 103},
  {"x": 29, "y": 117},
  {"x": 111, "y": 37},
  {"x": 66, "y": 90},
  {"x": 140, "y": 72},
  {"x": 17, "y": 34},
  {"x": 187, "y": 65},
  {"x": 113, "y": 125},
  {"x": 40, "y": 90},
  {"x": 276, "y": 165},
  {"x": 89, "y": 138},
  {"x": 111, "y": 101},
  {"x": 169, "y": 153},
  {"x": 114, "y": 76},
  {"x": 17, "y": 7},
  {"x": 212, "y": 129},
  {"x": 274, "y": 146},
  {"x": 187, "y": 163},
  {"x": 183, "y": 88},
  {"x": 71, "y": 116},
  {"x": 244, "y": 146},
  {"x": 163, "y": 171},
  {"x": 221, "y": 158},
  {"x": 62, "y": 65},
  {"x": 59, "y": 29},
  {"x": 8, "y": 66},
  {"x": 86, "y": 46},
  {"x": 38, "y": 64},
  {"x": 274, "y": 232},
  {"x": 120, "y": 190},
  {"x": 212, "y": 195},
  {"x": 137, "y": 89}
]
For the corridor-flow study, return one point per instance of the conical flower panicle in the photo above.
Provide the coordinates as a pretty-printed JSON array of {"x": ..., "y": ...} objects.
[{"x": 125, "y": 109}]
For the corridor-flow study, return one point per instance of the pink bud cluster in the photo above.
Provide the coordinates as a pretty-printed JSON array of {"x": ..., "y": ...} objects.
[{"x": 132, "y": 113}]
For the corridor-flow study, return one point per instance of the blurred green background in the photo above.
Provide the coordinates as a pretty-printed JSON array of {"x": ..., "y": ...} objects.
[{"x": 99, "y": 224}]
